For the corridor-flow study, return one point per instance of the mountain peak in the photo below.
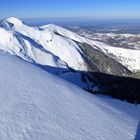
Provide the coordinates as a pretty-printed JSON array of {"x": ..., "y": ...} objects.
[{"x": 15, "y": 21}]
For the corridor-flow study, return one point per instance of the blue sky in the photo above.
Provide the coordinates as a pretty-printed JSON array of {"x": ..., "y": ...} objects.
[{"x": 70, "y": 8}]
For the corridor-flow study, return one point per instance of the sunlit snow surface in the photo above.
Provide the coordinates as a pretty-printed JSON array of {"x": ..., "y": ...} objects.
[
  {"x": 56, "y": 47},
  {"x": 35, "y": 105}
]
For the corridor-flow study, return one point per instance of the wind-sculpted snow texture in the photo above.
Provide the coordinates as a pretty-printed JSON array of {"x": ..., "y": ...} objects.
[{"x": 35, "y": 105}]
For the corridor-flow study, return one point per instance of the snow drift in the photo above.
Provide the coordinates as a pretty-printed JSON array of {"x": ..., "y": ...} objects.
[{"x": 35, "y": 105}]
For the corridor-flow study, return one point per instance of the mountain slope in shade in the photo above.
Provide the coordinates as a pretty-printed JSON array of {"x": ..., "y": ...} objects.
[{"x": 37, "y": 105}]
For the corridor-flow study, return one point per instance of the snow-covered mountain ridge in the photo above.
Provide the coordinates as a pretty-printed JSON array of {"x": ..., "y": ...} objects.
[
  {"x": 42, "y": 47},
  {"x": 127, "y": 57},
  {"x": 35, "y": 105},
  {"x": 57, "y": 47}
]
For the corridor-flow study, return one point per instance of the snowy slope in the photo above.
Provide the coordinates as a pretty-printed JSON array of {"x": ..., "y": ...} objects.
[
  {"x": 35, "y": 105},
  {"x": 55, "y": 46},
  {"x": 127, "y": 57},
  {"x": 46, "y": 42},
  {"x": 15, "y": 44}
]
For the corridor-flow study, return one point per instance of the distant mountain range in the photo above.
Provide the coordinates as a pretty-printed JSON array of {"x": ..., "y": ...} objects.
[{"x": 125, "y": 40}]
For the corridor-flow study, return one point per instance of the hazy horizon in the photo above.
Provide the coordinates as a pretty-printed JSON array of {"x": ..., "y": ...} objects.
[{"x": 103, "y": 9}]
